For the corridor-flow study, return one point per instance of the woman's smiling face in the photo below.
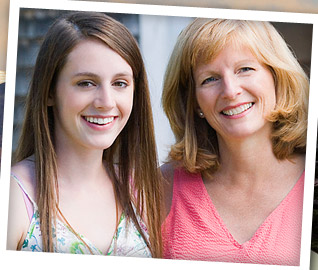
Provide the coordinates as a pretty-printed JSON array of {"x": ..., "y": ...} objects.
[
  {"x": 235, "y": 92},
  {"x": 93, "y": 98}
]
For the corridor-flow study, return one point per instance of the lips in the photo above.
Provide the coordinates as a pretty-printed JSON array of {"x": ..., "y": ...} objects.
[
  {"x": 238, "y": 109},
  {"x": 99, "y": 120}
]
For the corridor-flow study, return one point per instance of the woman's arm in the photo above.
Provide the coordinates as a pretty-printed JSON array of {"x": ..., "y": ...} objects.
[{"x": 18, "y": 220}]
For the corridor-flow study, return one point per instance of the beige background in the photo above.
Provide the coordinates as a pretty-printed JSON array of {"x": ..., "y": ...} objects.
[{"x": 304, "y": 6}]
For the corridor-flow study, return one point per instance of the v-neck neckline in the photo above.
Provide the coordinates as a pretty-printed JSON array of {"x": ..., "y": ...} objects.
[
  {"x": 90, "y": 243},
  {"x": 258, "y": 231}
]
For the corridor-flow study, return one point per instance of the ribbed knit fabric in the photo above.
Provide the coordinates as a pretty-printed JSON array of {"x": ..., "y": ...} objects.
[{"x": 193, "y": 230}]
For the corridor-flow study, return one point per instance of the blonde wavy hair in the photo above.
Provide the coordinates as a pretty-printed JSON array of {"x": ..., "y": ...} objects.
[{"x": 196, "y": 146}]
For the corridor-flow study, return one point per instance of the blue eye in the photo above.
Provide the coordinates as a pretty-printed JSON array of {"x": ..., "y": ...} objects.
[
  {"x": 245, "y": 69},
  {"x": 210, "y": 79}
]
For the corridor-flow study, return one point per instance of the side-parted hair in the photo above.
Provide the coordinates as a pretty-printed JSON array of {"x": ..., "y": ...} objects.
[
  {"x": 133, "y": 151},
  {"x": 196, "y": 146}
]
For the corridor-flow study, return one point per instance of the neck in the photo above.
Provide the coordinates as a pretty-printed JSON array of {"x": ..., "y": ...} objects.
[
  {"x": 247, "y": 160},
  {"x": 80, "y": 166}
]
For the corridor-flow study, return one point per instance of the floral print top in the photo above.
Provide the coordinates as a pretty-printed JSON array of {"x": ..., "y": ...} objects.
[{"x": 127, "y": 241}]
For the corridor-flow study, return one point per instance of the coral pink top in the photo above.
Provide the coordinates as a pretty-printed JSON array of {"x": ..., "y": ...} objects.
[{"x": 193, "y": 230}]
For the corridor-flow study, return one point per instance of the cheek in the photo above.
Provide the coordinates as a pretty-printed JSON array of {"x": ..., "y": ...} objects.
[
  {"x": 271, "y": 94},
  {"x": 126, "y": 104},
  {"x": 265, "y": 90},
  {"x": 199, "y": 98},
  {"x": 205, "y": 99},
  {"x": 128, "y": 109},
  {"x": 69, "y": 105},
  {"x": 274, "y": 99}
]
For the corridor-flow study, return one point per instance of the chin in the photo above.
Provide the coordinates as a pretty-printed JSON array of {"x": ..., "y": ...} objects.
[{"x": 103, "y": 145}]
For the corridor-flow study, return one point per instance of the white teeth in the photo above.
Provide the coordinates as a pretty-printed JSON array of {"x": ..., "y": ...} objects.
[
  {"x": 238, "y": 110},
  {"x": 99, "y": 121}
]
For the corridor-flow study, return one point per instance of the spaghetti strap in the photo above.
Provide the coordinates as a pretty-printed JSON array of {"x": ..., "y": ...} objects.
[{"x": 29, "y": 203}]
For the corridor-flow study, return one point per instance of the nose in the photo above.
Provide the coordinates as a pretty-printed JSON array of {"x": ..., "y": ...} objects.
[
  {"x": 230, "y": 87},
  {"x": 104, "y": 98}
]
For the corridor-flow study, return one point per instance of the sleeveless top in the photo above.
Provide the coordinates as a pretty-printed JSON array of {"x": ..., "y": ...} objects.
[
  {"x": 193, "y": 229},
  {"x": 127, "y": 241}
]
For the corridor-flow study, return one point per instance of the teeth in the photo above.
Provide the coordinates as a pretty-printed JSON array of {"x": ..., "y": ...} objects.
[
  {"x": 99, "y": 121},
  {"x": 238, "y": 110}
]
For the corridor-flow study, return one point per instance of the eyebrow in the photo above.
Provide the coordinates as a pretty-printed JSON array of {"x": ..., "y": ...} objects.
[
  {"x": 91, "y": 74},
  {"x": 247, "y": 61},
  {"x": 244, "y": 61}
]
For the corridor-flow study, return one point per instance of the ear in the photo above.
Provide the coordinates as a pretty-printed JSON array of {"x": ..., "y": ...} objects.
[
  {"x": 200, "y": 113},
  {"x": 50, "y": 101}
]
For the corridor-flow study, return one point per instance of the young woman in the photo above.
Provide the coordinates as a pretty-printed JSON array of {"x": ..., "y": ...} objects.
[
  {"x": 86, "y": 178},
  {"x": 236, "y": 99}
]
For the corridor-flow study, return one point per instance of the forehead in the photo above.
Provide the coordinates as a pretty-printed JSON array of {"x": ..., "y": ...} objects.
[
  {"x": 96, "y": 56},
  {"x": 229, "y": 57},
  {"x": 235, "y": 51}
]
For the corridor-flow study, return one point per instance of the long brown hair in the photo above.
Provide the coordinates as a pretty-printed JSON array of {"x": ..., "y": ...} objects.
[
  {"x": 196, "y": 146},
  {"x": 133, "y": 151}
]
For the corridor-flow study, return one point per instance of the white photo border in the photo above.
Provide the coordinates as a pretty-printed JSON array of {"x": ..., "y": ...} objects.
[{"x": 54, "y": 261}]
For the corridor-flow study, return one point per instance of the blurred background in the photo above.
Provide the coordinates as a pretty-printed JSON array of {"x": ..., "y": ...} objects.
[{"x": 156, "y": 36}]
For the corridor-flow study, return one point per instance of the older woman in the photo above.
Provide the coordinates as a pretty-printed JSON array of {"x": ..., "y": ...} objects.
[{"x": 236, "y": 99}]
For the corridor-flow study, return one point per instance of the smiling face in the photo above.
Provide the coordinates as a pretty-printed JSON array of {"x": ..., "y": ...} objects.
[
  {"x": 93, "y": 98},
  {"x": 235, "y": 93}
]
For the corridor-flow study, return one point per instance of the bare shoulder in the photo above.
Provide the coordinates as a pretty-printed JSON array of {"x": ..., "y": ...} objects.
[
  {"x": 18, "y": 220},
  {"x": 167, "y": 171},
  {"x": 291, "y": 170},
  {"x": 24, "y": 171}
]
